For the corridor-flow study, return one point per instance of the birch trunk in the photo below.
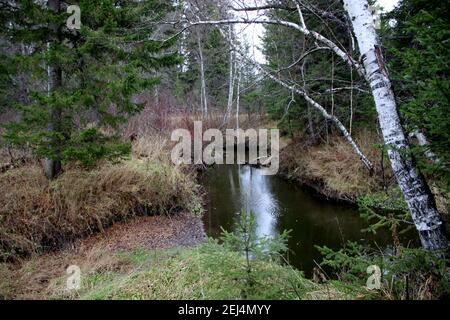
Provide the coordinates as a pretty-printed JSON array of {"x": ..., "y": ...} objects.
[
  {"x": 414, "y": 188},
  {"x": 231, "y": 76},
  {"x": 366, "y": 162},
  {"x": 423, "y": 142},
  {"x": 52, "y": 167},
  {"x": 238, "y": 96},
  {"x": 203, "y": 96},
  {"x": 325, "y": 114}
]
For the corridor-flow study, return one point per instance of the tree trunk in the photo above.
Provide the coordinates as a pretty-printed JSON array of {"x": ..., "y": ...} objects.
[
  {"x": 414, "y": 188},
  {"x": 52, "y": 166},
  {"x": 203, "y": 96},
  {"x": 328, "y": 117},
  {"x": 231, "y": 76},
  {"x": 238, "y": 96},
  {"x": 423, "y": 142}
]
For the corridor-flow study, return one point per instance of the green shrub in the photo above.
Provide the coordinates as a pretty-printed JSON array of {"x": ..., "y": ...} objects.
[{"x": 408, "y": 274}]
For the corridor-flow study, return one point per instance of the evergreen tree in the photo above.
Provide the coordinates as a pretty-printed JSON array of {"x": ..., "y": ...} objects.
[
  {"x": 82, "y": 80},
  {"x": 418, "y": 49}
]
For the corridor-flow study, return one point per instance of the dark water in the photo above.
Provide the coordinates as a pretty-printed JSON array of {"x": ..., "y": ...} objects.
[{"x": 280, "y": 205}]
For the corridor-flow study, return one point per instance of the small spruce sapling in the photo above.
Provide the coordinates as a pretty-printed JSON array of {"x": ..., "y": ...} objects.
[{"x": 244, "y": 239}]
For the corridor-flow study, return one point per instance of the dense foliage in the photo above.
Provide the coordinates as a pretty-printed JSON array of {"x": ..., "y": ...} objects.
[
  {"x": 405, "y": 273},
  {"x": 71, "y": 112},
  {"x": 418, "y": 50}
]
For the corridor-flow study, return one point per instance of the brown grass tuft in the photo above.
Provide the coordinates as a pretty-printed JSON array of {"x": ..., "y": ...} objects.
[
  {"x": 335, "y": 166},
  {"x": 36, "y": 215}
]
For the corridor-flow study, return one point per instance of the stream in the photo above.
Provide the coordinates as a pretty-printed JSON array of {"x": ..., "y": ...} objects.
[{"x": 282, "y": 205}]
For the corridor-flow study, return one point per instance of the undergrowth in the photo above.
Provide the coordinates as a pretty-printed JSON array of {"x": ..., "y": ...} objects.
[
  {"x": 335, "y": 167},
  {"x": 37, "y": 214},
  {"x": 209, "y": 271},
  {"x": 405, "y": 273}
]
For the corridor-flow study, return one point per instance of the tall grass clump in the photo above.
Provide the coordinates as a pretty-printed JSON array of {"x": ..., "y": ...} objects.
[
  {"x": 335, "y": 168},
  {"x": 37, "y": 214}
]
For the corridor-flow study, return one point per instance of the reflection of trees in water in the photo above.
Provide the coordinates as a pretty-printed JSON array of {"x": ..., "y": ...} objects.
[
  {"x": 258, "y": 199},
  {"x": 280, "y": 205}
]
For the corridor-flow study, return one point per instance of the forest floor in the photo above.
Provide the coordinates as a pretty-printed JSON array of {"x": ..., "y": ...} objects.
[
  {"x": 158, "y": 257},
  {"x": 34, "y": 277},
  {"x": 124, "y": 254}
]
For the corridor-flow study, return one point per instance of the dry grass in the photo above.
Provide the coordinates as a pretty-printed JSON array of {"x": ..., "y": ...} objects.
[
  {"x": 152, "y": 274},
  {"x": 335, "y": 166},
  {"x": 204, "y": 272},
  {"x": 121, "y": 250},
  {"x": 42, "y": 276},
  {"x": 36, "y": 214}
]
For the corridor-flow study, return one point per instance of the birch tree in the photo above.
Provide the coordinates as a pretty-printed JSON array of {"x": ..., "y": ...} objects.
[
  {"x": 231, "y": 74},
  {"x": 417, "y": 194},
  {"x": 238, "y": 95},
  {"x": 293, "y": 88},
  {"x": 203, "y": 95}
]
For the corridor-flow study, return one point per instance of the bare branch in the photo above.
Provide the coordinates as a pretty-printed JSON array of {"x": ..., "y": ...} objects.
[{"x": 317, "y": 36}]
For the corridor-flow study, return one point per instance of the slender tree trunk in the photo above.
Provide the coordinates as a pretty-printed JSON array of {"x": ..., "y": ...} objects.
[
  {"x": 231, "y": 76},
  {"x": 52, "y": 166},
  {"x": 415, "y": 190},
  {"x": 423, "y": 142},
  {"x": 238, "y": 96},
  {"x": 310, "y": 118},
  {"x": 328, "y": 117},
  {"x": 203, "y": 96}
]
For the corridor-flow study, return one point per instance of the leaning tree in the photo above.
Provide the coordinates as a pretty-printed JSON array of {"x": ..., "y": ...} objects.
[{"x": 371, "y": 67}]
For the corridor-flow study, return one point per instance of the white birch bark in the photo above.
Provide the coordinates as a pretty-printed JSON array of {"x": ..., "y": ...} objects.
[
  {"x": 414, "y": 188},
  {"x": 366, "y": 162},
  {"x": 310, "y": 33},
  {"x": 231, "y": 76},
  {"x": 325, "y": 114},
  {"x": 203, "y": 96},
  {"x": 238, "y": 96}
]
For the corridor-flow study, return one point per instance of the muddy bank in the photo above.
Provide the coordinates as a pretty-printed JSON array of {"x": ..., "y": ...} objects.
[
  {"x": 36, "y": 277},
  {"x": 318, "y": 188},
  {"x": 151, "y": 232}
]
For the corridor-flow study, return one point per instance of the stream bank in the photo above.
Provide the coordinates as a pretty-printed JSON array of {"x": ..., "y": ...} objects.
[
  {"x": 147, "y": 259},
  {"x": 279, "y": 205},
  {"x": 332, "y": 170},
  {"x": 119, "y": 249}
]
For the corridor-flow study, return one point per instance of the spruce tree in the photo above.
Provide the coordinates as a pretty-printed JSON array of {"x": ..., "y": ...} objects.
[
  {"x": 418, "y": 52},
  {"x": 82, "y": 81}
]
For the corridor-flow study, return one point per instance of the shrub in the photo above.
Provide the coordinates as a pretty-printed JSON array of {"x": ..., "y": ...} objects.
[
  {"x": 254, "y": 248},
  {"x": 408, "y": 274}
]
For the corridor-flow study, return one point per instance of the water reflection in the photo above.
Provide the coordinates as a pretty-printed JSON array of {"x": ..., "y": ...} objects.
[
  {"x": 279, "y": 205},
  {"x": 256, "y": 197}
]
